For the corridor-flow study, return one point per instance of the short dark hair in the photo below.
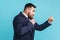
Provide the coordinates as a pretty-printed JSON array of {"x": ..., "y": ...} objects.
[{"x": 29, "y": 5}]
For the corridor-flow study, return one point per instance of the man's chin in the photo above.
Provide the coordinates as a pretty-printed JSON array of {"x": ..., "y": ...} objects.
[{"x": 30, "y": 17}]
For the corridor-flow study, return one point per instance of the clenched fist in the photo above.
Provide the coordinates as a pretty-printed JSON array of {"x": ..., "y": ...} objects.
[
  {"x": 32, "y": 21},
  {"x": 50, "y": 19}
]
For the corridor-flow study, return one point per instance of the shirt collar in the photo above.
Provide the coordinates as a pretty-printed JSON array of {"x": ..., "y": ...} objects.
[{"x": 24, "y": 14}]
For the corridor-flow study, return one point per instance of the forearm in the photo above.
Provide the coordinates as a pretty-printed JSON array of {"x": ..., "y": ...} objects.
[
  {"x": 42, "y": 26},
  {"x": 26, "y": 28}
]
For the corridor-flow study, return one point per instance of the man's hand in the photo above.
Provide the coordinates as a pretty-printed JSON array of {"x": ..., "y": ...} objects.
[
  {"x": 32, "y": 21},
  {"x": 50, "y": 19}
]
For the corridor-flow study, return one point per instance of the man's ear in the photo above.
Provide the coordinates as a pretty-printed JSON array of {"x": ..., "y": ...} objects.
[{"x": 29, "y": 9}]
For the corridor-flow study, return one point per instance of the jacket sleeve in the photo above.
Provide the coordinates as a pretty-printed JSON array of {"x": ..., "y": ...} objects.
[
  {"x": 42, "y": 26},
  {"x": 21, "y": 29}
]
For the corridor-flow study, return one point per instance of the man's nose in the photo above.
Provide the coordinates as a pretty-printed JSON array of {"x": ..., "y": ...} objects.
[{"x": 33, "y": 14}]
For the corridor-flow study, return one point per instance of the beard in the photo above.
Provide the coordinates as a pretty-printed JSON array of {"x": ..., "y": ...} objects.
[{"x": 30, "y": 16}]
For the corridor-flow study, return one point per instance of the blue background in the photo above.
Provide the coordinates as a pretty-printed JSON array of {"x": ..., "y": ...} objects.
[{"x": 45, "y": 8}]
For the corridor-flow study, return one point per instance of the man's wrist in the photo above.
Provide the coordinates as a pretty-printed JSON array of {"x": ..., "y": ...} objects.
[{"x": 49, "y": 22}]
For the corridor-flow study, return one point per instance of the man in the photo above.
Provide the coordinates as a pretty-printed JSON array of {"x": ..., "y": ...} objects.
[{"x": 25, "y": 25}]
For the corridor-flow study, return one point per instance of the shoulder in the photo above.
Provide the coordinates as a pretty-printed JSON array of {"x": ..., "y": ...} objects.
[{"x": 19, "y": 18}]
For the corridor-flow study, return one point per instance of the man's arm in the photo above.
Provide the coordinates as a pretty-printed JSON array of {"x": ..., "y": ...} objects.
[{"x": 42, "y": 26}]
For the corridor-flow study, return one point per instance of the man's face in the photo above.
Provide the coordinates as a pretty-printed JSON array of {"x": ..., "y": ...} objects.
[{"x": 31, "y": 12}]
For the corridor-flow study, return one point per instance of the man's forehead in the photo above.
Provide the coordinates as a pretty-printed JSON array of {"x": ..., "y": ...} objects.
[{"x": 32, "y": 8}]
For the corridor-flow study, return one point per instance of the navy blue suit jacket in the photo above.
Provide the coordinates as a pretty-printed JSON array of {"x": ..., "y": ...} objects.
[{"x": 24, "y": 29}]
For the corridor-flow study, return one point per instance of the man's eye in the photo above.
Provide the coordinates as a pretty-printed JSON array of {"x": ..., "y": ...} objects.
[{"x": 34, "y": 11}]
